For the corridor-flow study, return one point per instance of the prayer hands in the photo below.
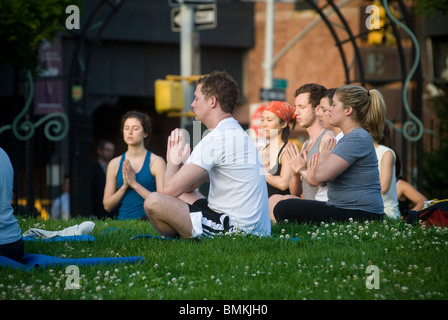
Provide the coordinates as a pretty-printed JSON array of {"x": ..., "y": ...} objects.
[
  {"x": 296, "y": 159},
  {"x": 309, "y": 174},
  {"x": 177, "y": 153},
  {"x": 326, "y": 147},
  {"x": 128, "y": 174}
]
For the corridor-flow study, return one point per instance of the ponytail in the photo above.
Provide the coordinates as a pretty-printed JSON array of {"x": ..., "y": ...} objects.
[{"x": 374, "y": 120}]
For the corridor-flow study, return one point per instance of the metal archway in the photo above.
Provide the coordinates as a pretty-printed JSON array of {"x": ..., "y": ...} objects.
[{"x": 412, "y": 126}]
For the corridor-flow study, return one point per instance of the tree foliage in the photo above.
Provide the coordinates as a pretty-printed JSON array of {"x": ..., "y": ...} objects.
[
  {"x": 24, "y": 24},
  {"x": 431, "y": 7}
]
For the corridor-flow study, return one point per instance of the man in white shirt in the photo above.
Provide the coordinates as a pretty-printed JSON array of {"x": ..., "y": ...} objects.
[{"x": 227, "y": 157}]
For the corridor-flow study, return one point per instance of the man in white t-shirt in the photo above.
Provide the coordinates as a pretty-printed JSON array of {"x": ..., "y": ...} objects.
[{"x": 227, "y": 157}]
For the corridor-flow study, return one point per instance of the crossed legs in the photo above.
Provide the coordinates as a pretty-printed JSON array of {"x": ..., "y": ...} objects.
[{"x": 170, "y": 216}]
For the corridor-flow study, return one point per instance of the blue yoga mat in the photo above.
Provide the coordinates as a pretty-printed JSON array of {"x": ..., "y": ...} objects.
[
  {"x": 31, "y": 261},
  {"x": 148, "y": 236},
  {"x": 80, "y": 238}
]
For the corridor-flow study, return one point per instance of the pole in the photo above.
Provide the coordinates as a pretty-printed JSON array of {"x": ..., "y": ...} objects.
[
  {"x": 186, "y": 57},
  {"x": 268, "y": 44}
]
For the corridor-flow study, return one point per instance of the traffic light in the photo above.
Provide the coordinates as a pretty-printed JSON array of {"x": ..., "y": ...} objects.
[
  {"x": 381, "y": 32},
  {"x": 169, "y": 95}
]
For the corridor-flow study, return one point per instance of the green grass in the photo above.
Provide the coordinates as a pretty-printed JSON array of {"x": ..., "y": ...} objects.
[{"x": 329, "y": 261}]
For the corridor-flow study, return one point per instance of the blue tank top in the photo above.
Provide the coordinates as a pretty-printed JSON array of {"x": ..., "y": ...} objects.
[{"x": 131, "y": 206}]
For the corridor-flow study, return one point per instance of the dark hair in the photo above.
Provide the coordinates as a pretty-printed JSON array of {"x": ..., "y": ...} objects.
[
  {"x": 386, "y": 139},
  {"x": 315, "y": 90},
  {"x": 287, "y": 130},
  {"x": 329, "y": 94},
  {"x": 144, "y": 119},
  {"x": 223, "y": 87}
]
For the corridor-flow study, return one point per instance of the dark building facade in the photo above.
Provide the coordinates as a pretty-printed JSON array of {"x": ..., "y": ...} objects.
[{"x": 109, "y": 66}]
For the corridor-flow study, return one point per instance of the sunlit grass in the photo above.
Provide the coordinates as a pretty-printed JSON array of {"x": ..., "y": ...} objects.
[{"x": 326, "y": 261}]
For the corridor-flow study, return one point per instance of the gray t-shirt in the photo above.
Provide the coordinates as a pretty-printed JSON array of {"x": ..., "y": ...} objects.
[{"x": 358, "y": 187}]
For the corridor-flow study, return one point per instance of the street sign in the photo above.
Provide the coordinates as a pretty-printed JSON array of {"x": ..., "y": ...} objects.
[
  {"x": 204, "y": 18},
  {"x": 279, "y": 83},
  {"x": 274, "y": 94}
]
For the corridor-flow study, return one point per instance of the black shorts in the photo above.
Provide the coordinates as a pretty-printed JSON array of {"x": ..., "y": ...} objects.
[{"x": 207, "y": 222}]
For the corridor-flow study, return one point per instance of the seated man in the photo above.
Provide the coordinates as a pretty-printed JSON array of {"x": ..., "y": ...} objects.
[{"x": 237, "y": 199}]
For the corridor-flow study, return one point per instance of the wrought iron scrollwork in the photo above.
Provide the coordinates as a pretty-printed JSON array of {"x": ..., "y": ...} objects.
[
  {"x": 56, "y": 123},
  {"x": 412, "y": 129}
]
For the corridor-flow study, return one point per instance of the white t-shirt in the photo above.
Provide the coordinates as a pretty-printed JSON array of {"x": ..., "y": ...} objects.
[
  {"x": 321, "y": 194},
  {"x": 237, "y": 181},
  {"x": 390, "y": 199}
]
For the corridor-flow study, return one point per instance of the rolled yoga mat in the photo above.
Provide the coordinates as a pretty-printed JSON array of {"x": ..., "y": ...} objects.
[{"x": 31, "y": 261}]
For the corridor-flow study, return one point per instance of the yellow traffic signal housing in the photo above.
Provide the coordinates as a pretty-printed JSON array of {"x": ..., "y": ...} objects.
[
  {"x": 383, "y": 35},
  {"x": 169, "y": 95}
]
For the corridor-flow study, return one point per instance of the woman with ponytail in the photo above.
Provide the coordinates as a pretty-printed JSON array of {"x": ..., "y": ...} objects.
[{"x": 350, "y": 167}]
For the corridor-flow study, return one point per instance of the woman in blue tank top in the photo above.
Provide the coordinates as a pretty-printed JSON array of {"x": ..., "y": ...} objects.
[{"x": 132, "y": 176}]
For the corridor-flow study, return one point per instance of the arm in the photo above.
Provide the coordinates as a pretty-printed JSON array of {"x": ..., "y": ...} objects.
[
  {"x": 297, "y": 162},
  {"x": 179, "y": 177},
  {"x": 405, "y": 189},
  {"x": 386, "y": 173},
  {"x": 310, "y": 173},
  {"x": 281, "y": 181},
  {"x": 186, "y": 179},
  {"x": 331, "y": 168},
  {"x": 158, "y": 169},
  {"x": 176, "y": 154},
  {"x": 326, "y": 166},
  {"x": 112, "y": 196}
]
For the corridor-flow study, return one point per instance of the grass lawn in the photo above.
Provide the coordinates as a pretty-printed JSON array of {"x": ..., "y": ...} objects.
[{"x": 327, "y": 261}]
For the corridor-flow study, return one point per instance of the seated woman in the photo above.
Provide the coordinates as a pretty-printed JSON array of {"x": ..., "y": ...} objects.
[
  {"x": 132, "y": 176},
  {"x": 349, "y": 168},
  {"x": 277, "y": 123},
  {"x": 11, "y": 242},
  {"x": 386, "y": 166}
]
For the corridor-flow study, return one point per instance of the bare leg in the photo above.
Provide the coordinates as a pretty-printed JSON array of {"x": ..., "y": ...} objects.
[
  {"x": 170, "y": 216},
  {"x": 274, "y": 199}
]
